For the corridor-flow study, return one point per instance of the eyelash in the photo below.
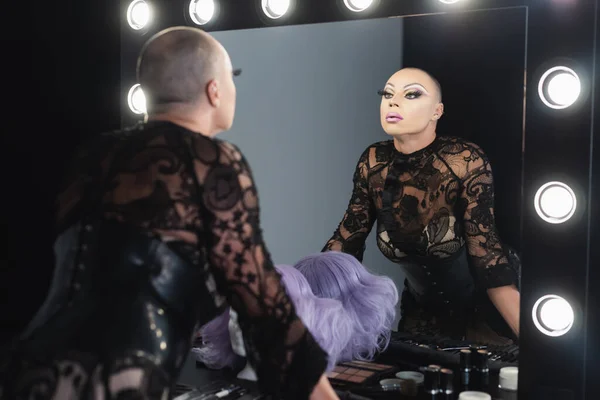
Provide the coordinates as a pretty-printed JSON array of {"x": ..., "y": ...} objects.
[{"x": 412, "y": 95}]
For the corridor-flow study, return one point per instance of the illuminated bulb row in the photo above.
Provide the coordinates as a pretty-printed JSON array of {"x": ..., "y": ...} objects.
[{"x": 201, "y": 12}]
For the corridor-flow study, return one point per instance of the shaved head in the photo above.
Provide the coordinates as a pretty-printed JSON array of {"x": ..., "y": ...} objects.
[{"x": 176, "y": 64}]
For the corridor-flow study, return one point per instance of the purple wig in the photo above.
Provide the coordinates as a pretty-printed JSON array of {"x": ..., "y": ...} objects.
[
  {"x": 326, "y": 319},
  {"x": 216, "y": 351},
  {"x": 370, "y": 299}
]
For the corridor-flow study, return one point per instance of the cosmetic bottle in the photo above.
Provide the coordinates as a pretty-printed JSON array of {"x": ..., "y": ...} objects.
[
  {"x": 446, "y": 384},
  {"x": 466, "y": 370},
  {"x": 482, "y": 371},
  {"x": 431, "y": 384}
]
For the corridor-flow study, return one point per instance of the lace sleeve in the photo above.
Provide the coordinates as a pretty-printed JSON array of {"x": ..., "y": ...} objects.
[
  {"x": 484, "y": 245},
  {"x": 353, "y": 230},
  {"x": 284, "y": 354}
]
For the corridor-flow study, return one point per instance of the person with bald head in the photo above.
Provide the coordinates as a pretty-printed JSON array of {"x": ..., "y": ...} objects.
[
  {"x": 433, "y": 199},
  {"x": 159, "y": 232}
]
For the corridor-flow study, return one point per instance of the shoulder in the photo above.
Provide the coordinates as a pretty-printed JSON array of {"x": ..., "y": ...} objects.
[
  {"x": 460, "y": 150},
  {"x": 462, "y": 155},
  {"x": 451, "y": 145}
]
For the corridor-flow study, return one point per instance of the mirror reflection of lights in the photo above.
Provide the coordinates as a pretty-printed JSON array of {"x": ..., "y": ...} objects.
[
  {"x": 138, "y": 14},
  {"x": 559, "y": 87},
  {"x": 358, "y": 5},
  {"x": 553, "y": 315},
  {"x": 275, "y": 8},
  {"x": 202, "y": 11},
  {"x": 555, "y": 202},
  {"x": 136, "y": 99}
]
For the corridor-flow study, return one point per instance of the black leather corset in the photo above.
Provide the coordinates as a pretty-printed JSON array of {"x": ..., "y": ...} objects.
[
  {"x": 441, "y": 285},
  {"x": 119, "y": 291}
]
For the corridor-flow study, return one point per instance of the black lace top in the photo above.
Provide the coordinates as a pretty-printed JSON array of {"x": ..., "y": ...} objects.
[
  {"x": 198, "y": 195},
  {"x": 428, "y": 204}
]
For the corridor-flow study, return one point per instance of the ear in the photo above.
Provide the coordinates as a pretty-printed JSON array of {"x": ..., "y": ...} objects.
[
  {"x": 439, "y": 111},
  {"x": 212, "y": 93}
]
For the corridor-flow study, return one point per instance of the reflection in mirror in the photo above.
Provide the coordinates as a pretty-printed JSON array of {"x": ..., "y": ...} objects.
[{"x": 425, "y": 177}]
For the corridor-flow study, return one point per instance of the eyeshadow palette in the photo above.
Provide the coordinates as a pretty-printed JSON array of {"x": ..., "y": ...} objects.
[
  {"x": 358, "y": 373},
  {"x": 368, "y": 366}
]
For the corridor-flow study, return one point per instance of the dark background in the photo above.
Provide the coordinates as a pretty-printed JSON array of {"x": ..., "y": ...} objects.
[
  {"x": 482, "y": 78},
  {"x": 60, "y": 70}
]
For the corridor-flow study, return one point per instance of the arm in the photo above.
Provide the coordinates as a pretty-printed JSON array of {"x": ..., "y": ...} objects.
[
  {"x": 288, "y": 361},
  {"x": 485, "y": 248},
  {"x": 353, "y": 230}
]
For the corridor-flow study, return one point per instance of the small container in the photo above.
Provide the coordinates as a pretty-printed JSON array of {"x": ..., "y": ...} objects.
[
  {"x": 391, "y": 384},
  {"x": 411, "y": 381},
  {"x": 509, "y": 383},
  {"x": 509, "y": 379},
  {"x": 472, "y": 395}
]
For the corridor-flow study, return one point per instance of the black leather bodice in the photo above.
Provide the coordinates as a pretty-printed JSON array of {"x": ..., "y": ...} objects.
[
  {"x": 441, "y": 285},
  {"x": 447, "y": 289},
  {"x": 118, "y": 291}
]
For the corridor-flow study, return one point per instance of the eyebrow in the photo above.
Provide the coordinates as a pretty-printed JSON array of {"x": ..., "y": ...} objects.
[{"x": 409, "y": 85}]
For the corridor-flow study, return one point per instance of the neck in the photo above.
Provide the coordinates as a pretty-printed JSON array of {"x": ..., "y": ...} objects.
[
  {"x": 197, "y": 121},
  {"x": 407, "y": 144}
]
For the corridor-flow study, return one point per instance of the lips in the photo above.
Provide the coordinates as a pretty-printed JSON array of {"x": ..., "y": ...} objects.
[{"x": 393, "y": 117}]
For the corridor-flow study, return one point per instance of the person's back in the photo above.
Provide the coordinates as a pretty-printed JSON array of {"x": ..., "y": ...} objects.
[
  {"x": 158, "y": 230},
  {"x": 137, "y": 224}
]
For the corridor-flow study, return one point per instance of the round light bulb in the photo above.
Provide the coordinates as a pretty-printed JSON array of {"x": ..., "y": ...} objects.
[
  {"x": 138, "y": 14},
  {"x": 358, "y": 5},
  {"x": 136, "y": 99},
  {"x": 275, "y": 8},
  {"x": 555, "y": 202},
  {"x": 553, "y": 315},
  {"x": 559, "y": 87},
  {"x": 202, "y": 11}
]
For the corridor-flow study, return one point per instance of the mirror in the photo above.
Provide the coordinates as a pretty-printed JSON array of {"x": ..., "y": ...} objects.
[{"x": 308, "y": 107}]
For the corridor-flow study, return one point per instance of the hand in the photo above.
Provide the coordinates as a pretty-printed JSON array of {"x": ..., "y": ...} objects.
[{"x": 323, "y": 390}]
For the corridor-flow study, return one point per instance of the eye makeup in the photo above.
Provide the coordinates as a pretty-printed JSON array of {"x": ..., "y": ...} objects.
[{"x": 416, "y": 87}]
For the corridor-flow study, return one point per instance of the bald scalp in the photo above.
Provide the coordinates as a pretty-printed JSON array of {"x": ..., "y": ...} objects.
[
  {"x": 433, "y": 79},
  {"x": 175, "y": 65}
]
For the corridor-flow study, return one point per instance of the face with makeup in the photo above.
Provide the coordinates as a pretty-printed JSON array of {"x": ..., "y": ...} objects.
[{"x": 410, "y": 103}]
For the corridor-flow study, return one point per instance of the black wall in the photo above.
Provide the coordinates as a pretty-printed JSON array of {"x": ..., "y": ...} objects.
[
  {"x": 479, "y": 59},
  {"x": 60, "y": 70}
]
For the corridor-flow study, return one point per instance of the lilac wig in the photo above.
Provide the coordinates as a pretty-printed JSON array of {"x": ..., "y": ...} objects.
[
  {"x": 326, "y": 319},
  {"x": 370, "y": 299},
  {"x": 216, "y": 351}
]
